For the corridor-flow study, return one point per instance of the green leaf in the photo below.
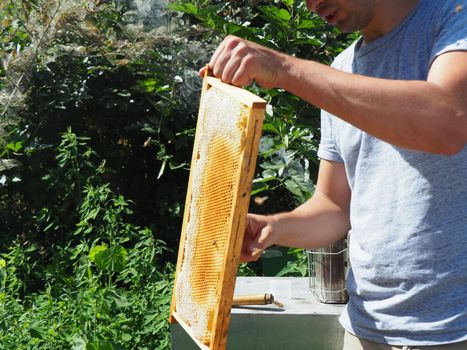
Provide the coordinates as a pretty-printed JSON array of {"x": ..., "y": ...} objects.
[
  {"x": 270, "y": 127},
  {"x": 293, "y": 187},
  {"x": 269, "y": 173},
  {"x": 36, "y": 332},
  {"x": 290, "y": 269},
  {"x": 148, "y": 85},
  {"x": 306, "y": 24},
  {"x": 275, "y": 165},
  {"x": 101, "y": 345},
  {"x": 126, "y": 337},
  {"x": 258, "y": 188},
  {"x": 274, "y": 13},
  {"x": 187, "y": 8},
  {"x": 96, "y": 250},
  {"x": 119, "y": 300},
  {"x": 112, "y": 259},
  {"x": 163, "y": 88},
  {"x": 79, "y": 343},
  {"x": 15, "y": 146}
]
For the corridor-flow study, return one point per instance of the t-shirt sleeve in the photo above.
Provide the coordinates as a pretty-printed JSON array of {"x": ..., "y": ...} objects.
[
  {"x": 327, "y": 148},
  {"x": 451, "y": 34}
]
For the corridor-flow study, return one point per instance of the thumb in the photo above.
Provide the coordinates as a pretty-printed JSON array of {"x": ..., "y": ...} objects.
[
  {"x": 263, "y": 241},
  {"x": 202, "y": 71}
]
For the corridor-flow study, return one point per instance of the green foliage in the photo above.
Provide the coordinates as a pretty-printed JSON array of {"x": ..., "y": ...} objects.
[
  {"x": 104, "y": 285},
  {"x": 130, "y": 91},
  {"x": 298, "y": 266}
]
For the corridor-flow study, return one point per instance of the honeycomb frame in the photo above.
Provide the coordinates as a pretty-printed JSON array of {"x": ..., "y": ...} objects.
[{"x": 209, "y": 332}]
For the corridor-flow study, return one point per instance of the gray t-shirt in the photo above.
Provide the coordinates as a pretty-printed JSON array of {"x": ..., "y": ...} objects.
[{"x": 408, "y": 242}]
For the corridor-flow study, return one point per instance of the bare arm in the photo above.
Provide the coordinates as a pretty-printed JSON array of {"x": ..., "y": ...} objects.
[
  {"x": 320, "y": 221},
  {"x": 429, "y": 116}
]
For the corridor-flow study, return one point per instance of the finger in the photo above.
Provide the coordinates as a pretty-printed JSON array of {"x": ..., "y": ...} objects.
[
  {"x": 247, "y": 256},
  {"x": 241, "y": 76},
  {"x": 222, "y": 61},
  {"x": 252, "y": 227},
  {"x": 251, "y": 253},
  {"x": 202, "y": 72},
  {"x": 230, "y": 69},
  {"x": 253, "y": 247},
  {"x": 312, "y": 5},
  {"x": 251, "y": 232},
  {"x": 234, "y": 49},
  {"x": 216, "y": 54},
  {"x": 256, "y": 252}
]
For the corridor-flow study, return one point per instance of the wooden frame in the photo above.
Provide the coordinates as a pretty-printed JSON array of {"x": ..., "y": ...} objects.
[{"x": 241, "y": 197}]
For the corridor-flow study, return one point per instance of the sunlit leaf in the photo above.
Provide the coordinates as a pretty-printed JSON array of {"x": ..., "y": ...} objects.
[
  {"x": 96, "y": 250},
  {"x": 112, "y": 259}
]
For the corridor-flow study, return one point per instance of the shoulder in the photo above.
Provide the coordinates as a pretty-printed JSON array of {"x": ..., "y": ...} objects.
[
  {"x": 449, "y": 8},
  {"x": 444, "y": 12},
  {"x": 450, "y": 29},
  {"x": 434, "y": 15},
  {"x": 442, "y": 7},
  {"x": 343, "y": 61}
]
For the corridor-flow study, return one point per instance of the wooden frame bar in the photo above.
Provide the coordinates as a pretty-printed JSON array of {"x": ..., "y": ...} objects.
[{"x": 241, "y": 197}]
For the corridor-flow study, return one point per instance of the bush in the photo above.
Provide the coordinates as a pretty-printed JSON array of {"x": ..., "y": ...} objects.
[
  {"x": 88, "y": 281},
  {"x": 131, "y": 91},
  {"x": 82, "y": 266}
]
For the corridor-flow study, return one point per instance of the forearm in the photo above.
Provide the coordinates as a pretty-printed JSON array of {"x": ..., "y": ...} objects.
[
  {"x": 417, "y": 115},
  {"x": 429, "y": 116},
  {"x": 317, "y": 223}
]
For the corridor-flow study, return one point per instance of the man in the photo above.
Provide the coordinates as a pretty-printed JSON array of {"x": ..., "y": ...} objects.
[{"x": 393, "y": 165}]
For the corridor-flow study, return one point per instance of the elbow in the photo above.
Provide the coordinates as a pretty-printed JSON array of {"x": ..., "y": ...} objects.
[
  {"x": 452, "y": 144},
  {"x": 455, "y": 137},
  {"x": 451, "y": 148},
  {"x": 443, "y": 143}
]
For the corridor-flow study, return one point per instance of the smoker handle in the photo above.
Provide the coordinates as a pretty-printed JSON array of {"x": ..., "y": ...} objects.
[{"x": 258, "y": 299}]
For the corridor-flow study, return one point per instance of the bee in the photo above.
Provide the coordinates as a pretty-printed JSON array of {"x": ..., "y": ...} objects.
[
  {"x": 147, "y": 143},
  {"x": 260, "y": 200}
]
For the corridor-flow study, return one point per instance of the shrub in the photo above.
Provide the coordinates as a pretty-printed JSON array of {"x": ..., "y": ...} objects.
[{"x": 92, "y": 280}]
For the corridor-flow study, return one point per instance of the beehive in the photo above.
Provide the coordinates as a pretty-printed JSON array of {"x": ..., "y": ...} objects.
[{"x": 222, "y": 167}]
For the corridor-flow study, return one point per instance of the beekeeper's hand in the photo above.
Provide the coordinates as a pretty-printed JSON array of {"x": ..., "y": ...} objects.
[{"x": 240, "y": 62}]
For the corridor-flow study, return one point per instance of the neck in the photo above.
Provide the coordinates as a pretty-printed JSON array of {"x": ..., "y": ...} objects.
[{"x": 388, "y": 14}]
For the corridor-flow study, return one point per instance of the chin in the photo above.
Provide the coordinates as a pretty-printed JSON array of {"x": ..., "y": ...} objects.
[
  {"x": 345, "y": 27},
  {"x": 346, "y": 30},
  {"x": 342, "y": 28}
]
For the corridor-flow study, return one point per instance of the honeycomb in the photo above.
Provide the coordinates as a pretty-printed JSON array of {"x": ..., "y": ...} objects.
[{"x": 215, "y": 167}]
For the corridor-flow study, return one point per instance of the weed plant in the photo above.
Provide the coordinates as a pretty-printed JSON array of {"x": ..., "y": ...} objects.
[{"x": 90, "y": 281}]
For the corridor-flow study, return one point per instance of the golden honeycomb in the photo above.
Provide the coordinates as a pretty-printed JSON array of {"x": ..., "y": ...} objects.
[
  {"x": 215, "y": 172},
  {"x": 216, "y": 178}
]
